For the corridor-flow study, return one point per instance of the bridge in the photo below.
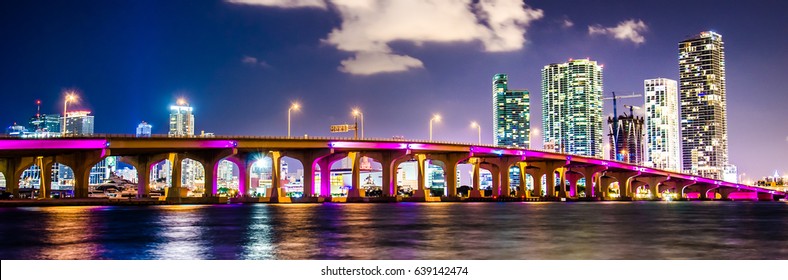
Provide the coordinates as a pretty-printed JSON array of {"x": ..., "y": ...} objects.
[{"x": 318, "y": 154}]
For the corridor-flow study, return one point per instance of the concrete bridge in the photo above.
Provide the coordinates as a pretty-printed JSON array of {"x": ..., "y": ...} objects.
[{"x": 16, "y": 155}]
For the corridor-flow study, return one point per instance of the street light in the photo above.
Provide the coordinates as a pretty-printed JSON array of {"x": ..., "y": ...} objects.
[
  {"x": 294, "y": 106},
  {"x": 357, "y": 113},
  {"x": 71, "y": 96},
  {"x": 476, "y": 125},
  {"x": 436, "y": 118}
]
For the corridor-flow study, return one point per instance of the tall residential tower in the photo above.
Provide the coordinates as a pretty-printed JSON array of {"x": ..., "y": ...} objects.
[
  {"x": 181, "y": 121},
  {"x": 572, "y": 107},
  {"x": 704, "y": 124},
  {"x": 663, "y": 149},
  {"x": 511, "y": 114}
]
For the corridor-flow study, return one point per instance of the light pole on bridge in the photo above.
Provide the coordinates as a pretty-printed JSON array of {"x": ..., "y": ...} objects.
[
  {"x": 71, "y": 96},
  {"x": 479, "y": 128},
  {"x": 436, "y": 118},
  {"x": 294, "y": 106}
]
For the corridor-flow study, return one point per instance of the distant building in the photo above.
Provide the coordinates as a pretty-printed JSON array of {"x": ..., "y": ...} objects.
[
  {"x": 572, "y": 107},
  {"x": 629, "y": 140},
  {"x": 16, "y": 130},
  {"x": 79, "y": 123},
  {"x": 181, "y": 121},
  {"x": 45, "y": 123},
  {"x": 663, "y": 146},
  {"x": 144, "y": 129},
  {"x": 704, "y": 120},
  {"x": 511, "y": 114}
]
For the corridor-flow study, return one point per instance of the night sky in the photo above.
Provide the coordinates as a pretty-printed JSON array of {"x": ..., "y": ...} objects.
[{"x": 241, "y": 64}]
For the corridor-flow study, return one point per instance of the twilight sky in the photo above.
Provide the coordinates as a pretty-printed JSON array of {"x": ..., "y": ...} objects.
[{"x": 241, "y": 62}]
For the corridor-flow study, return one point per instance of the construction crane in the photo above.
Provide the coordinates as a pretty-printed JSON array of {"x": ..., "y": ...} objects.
[{"x": 615, "y": 131}]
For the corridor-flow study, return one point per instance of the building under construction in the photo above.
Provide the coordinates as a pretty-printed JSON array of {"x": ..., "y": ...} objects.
[{"x": 626, "y": 138}]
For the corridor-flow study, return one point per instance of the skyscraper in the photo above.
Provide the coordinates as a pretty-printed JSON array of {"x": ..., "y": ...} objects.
[
  {"x": 663, "y": 149},
  {"x": 511, "y": 114},
  {"x": 572, "y": 107},
  {"x": 704, "y": 124},
  {"x": 181, "y": 120},
  {"x": 79, "y": 123}
]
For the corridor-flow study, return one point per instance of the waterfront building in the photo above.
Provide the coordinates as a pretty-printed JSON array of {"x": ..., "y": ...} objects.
[
  {"x": 181, "y": 120},
  {"x": 79, "y": 123},
  {"x": 511, "y": 114},
  {"x": 144, "y": 129},
  {"x": 572, "y": 107},
  {"x": 704, "y": 127},
  {"x": 663, "y": 146}
]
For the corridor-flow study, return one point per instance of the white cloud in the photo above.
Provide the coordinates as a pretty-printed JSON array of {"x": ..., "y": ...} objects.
[
  {"x": 249, "y": 60},
  {"x": 284, "y": 3},
  {"x": 629, "y": 30},
  {"x": 567, "y": 23},
  {"x": 253, "y": 61},
  {"x": 368, "y": 63},
  {"x": 368, "y": 27}
]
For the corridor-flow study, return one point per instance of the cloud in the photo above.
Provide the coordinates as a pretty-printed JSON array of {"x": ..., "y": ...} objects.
[
  {"x": 253, "y": 61},
  {"x": 368, "y": 63},
  {"x": 629, "y": 30},
  {"x": 368, "y": 27},
  {"x": 567, "y": 23},
  {"x": 320, "y": 4}
]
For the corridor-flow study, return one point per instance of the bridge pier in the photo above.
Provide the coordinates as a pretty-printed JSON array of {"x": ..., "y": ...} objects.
[
  {"x": 593, "y": 184},
  {"x": 549, "y": 169},
  {"x": 476, "y": 192},
  {"x": 537, "y": 176},
  {"x": 522, "y": 190}
]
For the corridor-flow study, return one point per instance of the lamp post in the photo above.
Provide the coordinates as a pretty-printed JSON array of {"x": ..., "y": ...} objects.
[
  {"x": 533, "y": 134},
  {"x": 479, "y": 127},
  {"x": 71, "y": 96},
  {"x": 435, "y": 118},
  {"x": 357, "y": 113},
  {"x": 294, "y": 106}
]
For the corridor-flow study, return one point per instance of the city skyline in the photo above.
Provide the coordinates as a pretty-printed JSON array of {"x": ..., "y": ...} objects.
[{"x": 245, "y": 81}]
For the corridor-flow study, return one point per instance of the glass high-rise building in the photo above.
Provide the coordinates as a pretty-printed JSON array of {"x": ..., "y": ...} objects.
[
  {"x": 663, "y": 146},
  {"x": 572, "y": 107},
  {"x": 181, "y": 121},
  {"x": 511, "y": 114},
  {"x": 704, "y": 124},
  {"x": 79, "y": 123}
]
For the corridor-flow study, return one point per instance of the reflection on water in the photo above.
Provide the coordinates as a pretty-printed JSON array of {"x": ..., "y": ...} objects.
[{"x": 606, "y": 230}]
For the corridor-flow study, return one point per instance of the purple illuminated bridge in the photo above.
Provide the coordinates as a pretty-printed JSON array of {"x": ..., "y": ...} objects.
[{"x": 560, "y": 173}]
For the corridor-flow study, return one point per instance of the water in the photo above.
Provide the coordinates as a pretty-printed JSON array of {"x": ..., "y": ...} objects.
[{"x": 604, "y": 230}]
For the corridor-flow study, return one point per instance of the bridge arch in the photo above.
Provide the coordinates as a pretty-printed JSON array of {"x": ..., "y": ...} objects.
[
  {"x": 435, "y": 177},
  {"x": 292, "y": 182},
  {"x": 160, "y": 178}
]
